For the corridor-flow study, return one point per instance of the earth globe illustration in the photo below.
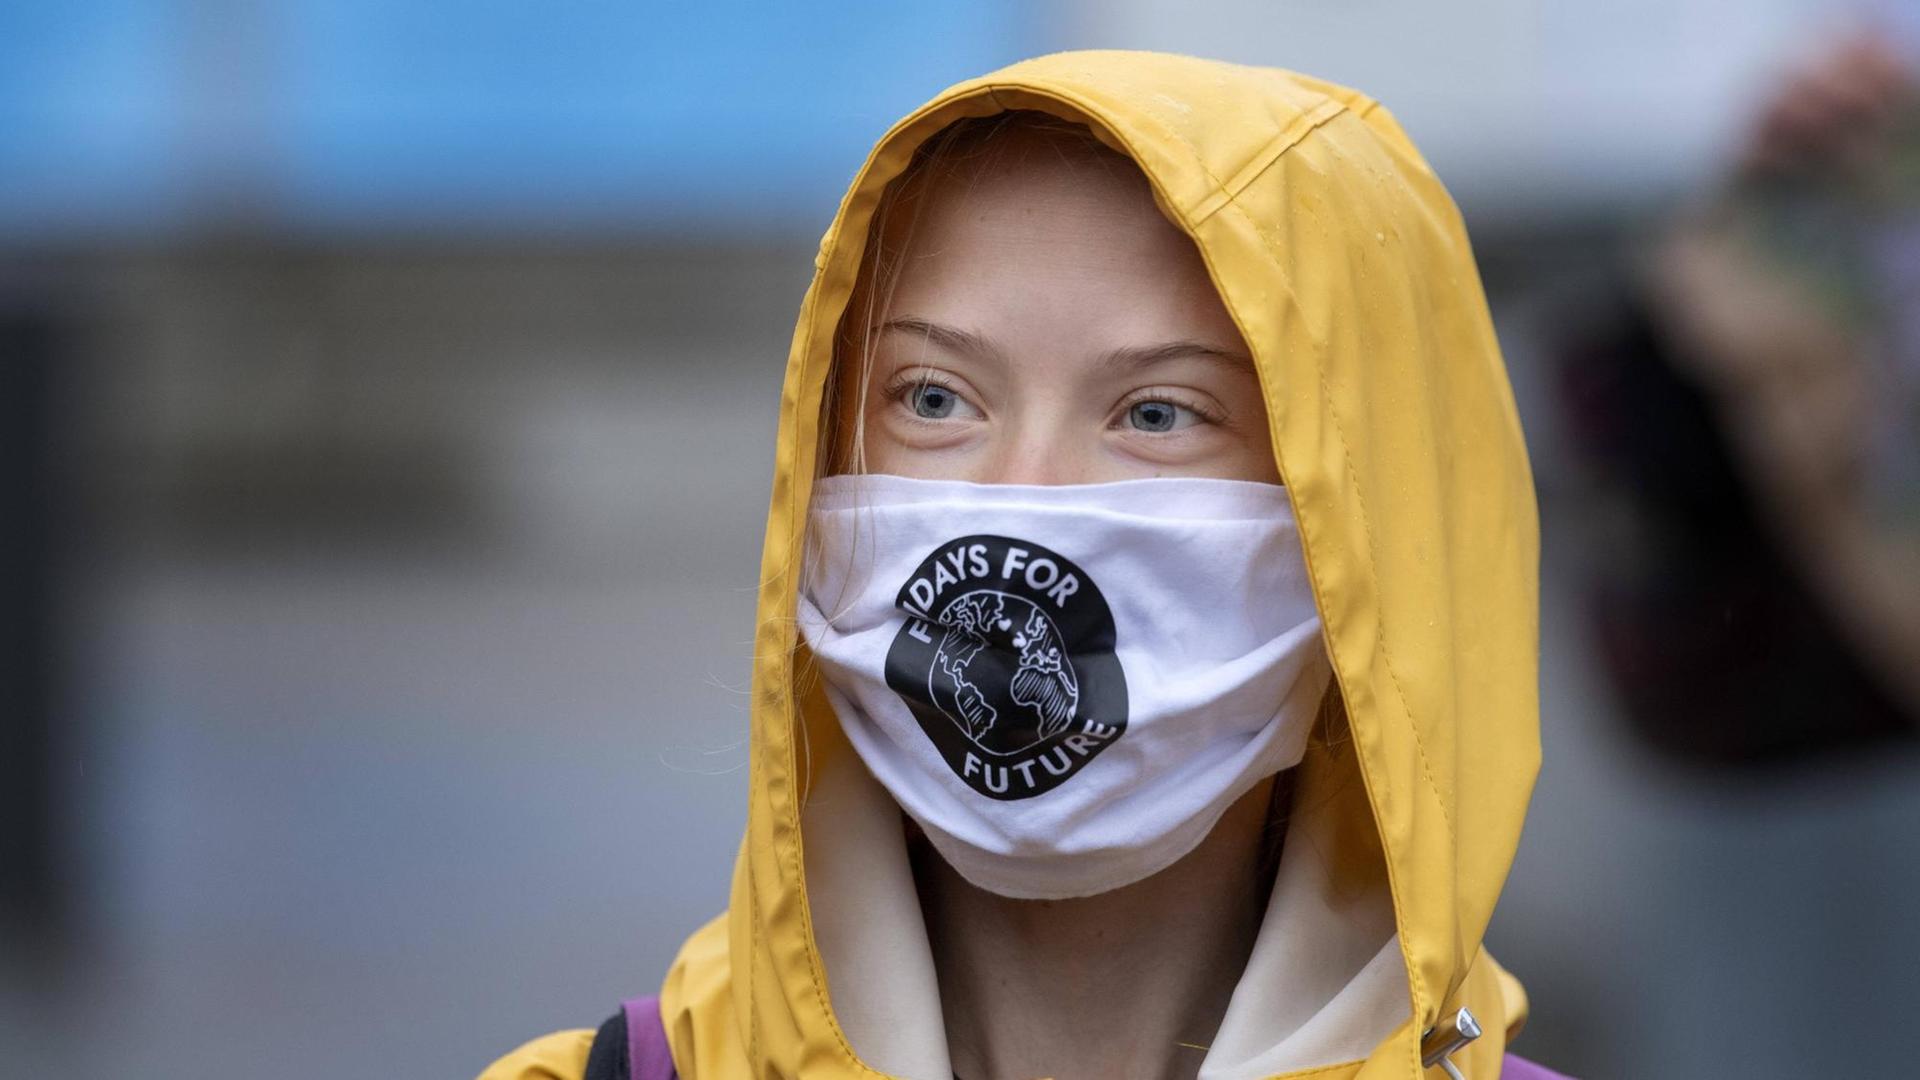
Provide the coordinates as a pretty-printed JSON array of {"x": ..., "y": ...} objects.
[{"x": 1009, "y": 680}]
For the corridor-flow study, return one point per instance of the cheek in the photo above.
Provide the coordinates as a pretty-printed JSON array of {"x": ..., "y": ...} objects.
[
  {"x": 1258, "y": 463},
  {"x": 884, "y": 453},
  {"x": 1252, "y": 457},
  {"x": 1212, "y": 454},
  {"x": 897, "y": 450},
  {"x": 888, "y": 454}
]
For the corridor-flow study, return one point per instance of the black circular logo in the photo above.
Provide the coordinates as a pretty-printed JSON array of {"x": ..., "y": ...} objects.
[{"x": 1006, "y": 659}]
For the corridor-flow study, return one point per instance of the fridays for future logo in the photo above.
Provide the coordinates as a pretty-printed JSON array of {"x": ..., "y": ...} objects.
[{"x": 1007, "y": 661}]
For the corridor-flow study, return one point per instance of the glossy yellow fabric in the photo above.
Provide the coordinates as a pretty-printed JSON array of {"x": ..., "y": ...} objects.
[
  {"x": 559, "y": 1056},
  {"x": 1345, "y": 265}
]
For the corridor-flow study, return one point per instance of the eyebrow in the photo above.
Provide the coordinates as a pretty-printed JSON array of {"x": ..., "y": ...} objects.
[
  {"x": 1130, "y": 357},
  {"x": 950, "y": 338}
]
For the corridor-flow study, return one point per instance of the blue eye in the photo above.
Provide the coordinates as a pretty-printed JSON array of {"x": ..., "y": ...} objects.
[
  {"x": 1153, "y": 416},
  {"x": 932, "y": 402}
]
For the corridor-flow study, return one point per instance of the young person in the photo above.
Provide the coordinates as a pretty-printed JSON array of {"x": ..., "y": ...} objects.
[{"x": 1147, "y": 638}]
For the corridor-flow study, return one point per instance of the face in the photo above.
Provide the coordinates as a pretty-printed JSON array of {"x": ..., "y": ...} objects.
[{"x": 1049, "y": 326}]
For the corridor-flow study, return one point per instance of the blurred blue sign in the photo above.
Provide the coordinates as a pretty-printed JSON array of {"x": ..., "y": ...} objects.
[{"x": 144, "y": 114}]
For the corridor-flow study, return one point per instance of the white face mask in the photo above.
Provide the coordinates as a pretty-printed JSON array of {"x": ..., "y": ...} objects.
[{"x": 1064, "y": 685}]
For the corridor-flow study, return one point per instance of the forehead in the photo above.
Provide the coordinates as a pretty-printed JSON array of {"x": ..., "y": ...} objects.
[{"x": 1037, "y": 234}]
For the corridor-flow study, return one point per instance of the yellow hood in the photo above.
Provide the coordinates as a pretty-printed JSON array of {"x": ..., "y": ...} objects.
[{"x": 1346, "y": 267}]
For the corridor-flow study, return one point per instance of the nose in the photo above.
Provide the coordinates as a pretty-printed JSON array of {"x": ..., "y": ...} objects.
[{"x": 1038, "y": 457}]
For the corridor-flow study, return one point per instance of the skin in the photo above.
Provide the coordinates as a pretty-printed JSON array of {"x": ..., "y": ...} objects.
[
  {"x": 1049, "y": 326},
  {"x": 1046, "y": 325}
]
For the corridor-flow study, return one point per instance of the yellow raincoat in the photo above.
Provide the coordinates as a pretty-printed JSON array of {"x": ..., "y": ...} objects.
[{"x": 1345, "y": 265}]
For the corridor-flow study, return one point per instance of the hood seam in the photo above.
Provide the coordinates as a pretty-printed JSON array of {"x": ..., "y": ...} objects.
[
  {"x": 796, "y": 720},
  {"x": 1366, "y": 525},
  {"x": 1101, "y": 113},
  {"x": 1415, "y": 982},
  {"x": 1288, "y": 137}
]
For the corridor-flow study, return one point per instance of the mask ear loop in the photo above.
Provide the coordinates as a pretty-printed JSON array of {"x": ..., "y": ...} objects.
[{"x": 1443, "y": 1040}]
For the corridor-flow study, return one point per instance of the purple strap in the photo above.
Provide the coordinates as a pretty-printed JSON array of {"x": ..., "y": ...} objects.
[
  {"x": 1516, "y": 1068},
  {"x": 648, "y": 1056}
]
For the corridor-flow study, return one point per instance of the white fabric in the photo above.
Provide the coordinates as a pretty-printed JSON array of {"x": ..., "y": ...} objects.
[
  {"x": 1325, "y": 982},
  {"x": 867, "y": 924},
  {"x": 1066, "y": 686}
]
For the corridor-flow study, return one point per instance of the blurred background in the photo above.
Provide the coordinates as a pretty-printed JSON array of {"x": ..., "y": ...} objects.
[{"x": 387, "y": 395}]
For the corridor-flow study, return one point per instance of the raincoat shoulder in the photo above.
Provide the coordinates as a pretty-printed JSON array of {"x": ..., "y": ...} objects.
[{"x": 559, "y": 1056}]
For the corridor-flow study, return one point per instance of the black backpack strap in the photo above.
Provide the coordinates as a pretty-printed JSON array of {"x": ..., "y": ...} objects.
[{"x": 608, "y": 1060}]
